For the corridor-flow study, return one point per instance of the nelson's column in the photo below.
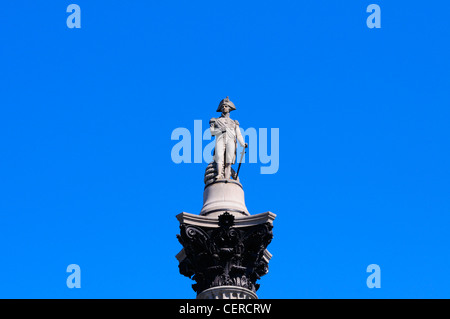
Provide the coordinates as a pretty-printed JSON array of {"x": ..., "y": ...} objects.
[{"x": 224, "y": 247}]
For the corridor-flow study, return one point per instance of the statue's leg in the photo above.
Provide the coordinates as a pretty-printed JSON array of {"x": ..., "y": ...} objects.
[
  {"x": 219, "y": 158},
  {"x": 229, "y": 158},
  {"x": 227, "y": 170},
  {"x": 220, "y": 170}
]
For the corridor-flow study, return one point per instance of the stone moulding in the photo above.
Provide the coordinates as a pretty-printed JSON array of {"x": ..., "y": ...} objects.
[
  {"x": 245, "y": 221},
  {"x": 227, "y": 292}
]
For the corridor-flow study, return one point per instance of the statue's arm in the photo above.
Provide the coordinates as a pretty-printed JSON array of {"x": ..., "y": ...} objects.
[
  {"x": 239, "y": 135},
  {"x": 213, "y": 128}
]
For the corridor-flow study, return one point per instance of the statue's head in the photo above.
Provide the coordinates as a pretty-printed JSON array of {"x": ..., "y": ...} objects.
[{"x": 226, "y": 102}]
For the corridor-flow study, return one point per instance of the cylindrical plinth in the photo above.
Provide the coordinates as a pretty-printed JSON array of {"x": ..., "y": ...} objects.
[
  {"x": 224, "y": 195},
  {"x": 227, "y": 292}
]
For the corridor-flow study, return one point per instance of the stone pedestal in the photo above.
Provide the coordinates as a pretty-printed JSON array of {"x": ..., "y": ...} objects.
[{"x": 224, "y": 195}]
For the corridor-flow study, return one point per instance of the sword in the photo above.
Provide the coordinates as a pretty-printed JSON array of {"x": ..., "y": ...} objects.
[{"x": 240, "y": 161}]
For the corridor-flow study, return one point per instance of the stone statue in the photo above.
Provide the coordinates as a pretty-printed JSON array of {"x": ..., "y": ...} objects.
[{"x": 226, "y": 132}]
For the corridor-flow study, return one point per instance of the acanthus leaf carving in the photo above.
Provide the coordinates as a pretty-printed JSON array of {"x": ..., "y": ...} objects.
[{"x": 225, "y": 255}]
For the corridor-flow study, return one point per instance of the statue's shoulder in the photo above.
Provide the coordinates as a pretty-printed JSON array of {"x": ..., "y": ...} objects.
[
  {"x": 212, "y": 120},
  {"x": 236, "y": 122}
]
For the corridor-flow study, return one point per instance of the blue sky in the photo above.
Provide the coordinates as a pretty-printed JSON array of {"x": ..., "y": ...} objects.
[{"x": 86, "y": 175}]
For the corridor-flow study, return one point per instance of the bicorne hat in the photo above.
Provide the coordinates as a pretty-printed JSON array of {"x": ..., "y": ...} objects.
[{"x": 227, "y": 102}]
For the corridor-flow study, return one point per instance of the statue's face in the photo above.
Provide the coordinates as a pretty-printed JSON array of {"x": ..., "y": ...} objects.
[{"x": 225, "y": 108}]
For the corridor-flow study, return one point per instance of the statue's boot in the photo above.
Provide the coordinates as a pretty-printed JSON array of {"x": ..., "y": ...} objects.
[
  {"x": 220, "y": 170},
  {"x": 227, "y": 170}
]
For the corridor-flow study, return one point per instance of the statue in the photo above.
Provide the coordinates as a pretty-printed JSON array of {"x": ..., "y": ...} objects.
[{"x": 226, "y": 132}]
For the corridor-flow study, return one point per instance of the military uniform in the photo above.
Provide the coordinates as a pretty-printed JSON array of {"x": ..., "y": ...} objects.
[
  {"x": 226, "y": 132},
  {"x": 226, "y": 141}
]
